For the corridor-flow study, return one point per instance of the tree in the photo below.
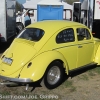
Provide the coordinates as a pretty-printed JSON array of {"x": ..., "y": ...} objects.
[{"x": 18, "y": 7}]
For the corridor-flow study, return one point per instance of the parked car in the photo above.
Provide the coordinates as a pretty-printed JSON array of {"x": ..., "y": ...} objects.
[{"x": 46, "y": 50}]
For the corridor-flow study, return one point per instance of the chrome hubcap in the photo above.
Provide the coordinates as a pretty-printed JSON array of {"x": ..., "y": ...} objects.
[{"x": 53, "y": 75}]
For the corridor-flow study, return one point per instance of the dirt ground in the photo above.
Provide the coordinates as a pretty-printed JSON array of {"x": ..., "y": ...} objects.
[
  {"x": 85, "y": 86},
  {"x": 81, "y": 85}
]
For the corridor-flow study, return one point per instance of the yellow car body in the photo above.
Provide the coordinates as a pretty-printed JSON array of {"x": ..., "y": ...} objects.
[{"x": 27, "y": 60}]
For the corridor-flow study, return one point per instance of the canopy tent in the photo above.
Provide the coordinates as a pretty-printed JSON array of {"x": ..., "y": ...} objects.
[
  {"x": 50, "y": 2},
  {"x": 32, "y": 4},
  {"x": 66, "y": 5}
]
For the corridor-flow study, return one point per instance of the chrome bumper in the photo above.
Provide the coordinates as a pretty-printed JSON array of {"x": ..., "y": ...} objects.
[{"x": 16, "y": 80}]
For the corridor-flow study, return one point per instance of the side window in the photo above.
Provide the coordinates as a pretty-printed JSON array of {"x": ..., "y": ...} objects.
[
  {"x": 66, "y": 35},
  {"x": 83, "y": 34}
]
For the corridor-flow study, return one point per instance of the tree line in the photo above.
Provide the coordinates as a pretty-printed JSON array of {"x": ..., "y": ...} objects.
[{"x": 18, "y": 7}]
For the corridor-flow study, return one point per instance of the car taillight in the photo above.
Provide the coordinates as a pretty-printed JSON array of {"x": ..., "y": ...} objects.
[
  {"x": 0, "y": 35},
  {"x": 93, "y": 33}
]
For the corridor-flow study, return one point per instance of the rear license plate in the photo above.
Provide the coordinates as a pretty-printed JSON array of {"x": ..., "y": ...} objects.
[{"x": 7, "y": 60}]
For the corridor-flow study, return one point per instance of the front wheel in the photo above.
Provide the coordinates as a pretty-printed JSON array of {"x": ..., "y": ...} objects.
[
  {"x": 53, "y": 76},
  {"x": 19, "y": 26}
]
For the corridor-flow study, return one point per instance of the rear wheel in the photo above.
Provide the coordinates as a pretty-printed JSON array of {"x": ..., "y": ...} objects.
[{"x": 53, "y": 76}]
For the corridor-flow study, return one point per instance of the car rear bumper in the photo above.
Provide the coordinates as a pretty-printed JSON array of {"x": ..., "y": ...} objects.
[{"x": 16, "y": 80}]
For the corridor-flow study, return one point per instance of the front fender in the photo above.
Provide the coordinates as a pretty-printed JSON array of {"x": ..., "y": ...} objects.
[{"x": 40, "y": 64}]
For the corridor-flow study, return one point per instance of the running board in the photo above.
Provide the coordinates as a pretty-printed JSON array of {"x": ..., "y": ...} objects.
[{"x": 83, "y": 67}]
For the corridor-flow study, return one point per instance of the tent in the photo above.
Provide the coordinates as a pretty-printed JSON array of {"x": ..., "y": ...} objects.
[
  {"x": 66, "y": 5},
  {"x": 50, "y": 2},
  {"x": 33, "y": 4}
]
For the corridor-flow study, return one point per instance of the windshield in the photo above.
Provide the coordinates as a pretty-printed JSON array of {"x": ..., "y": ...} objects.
[{"x": 33, "y": 34}]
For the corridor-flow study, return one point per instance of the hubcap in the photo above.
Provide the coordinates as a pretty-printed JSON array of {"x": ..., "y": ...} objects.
[{"x": 53, "y": 75}]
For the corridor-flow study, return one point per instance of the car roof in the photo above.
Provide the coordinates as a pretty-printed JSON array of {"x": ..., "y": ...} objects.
[
  {"x": 51, "y": 26},
  {"x": 54, "y": 24}
]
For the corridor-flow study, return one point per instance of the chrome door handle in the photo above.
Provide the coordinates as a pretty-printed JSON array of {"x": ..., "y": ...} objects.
[{"x": 80, "y": 46}]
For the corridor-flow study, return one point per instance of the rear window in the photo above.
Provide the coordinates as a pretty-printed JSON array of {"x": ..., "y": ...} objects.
[{"x": 32, "y": 34}]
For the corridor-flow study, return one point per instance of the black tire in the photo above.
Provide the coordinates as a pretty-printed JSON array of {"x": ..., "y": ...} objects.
[
  {"x": 53, "y": 76},
  {"x": 19, "y": 26},
  {"x": 17, "y": 31}
]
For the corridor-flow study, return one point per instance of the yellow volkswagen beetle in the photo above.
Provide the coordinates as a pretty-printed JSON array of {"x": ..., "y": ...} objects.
[{"x": 46, "y": 50}]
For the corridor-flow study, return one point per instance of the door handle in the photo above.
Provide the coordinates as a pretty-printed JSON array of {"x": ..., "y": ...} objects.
[{"x": 80, "y": 46}]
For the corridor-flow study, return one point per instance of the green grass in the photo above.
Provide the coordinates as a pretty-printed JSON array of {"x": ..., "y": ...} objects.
[
  {"x": 69, "y": 84},
  {"x": 94, "y": 71},
  {"x": 72, "y": 89},
  {"x": 83, "y": 77},
  {"x": 4, "y": 93},
  {"x": 97, "y": 70},
  {"x": 91, "y": 73}
]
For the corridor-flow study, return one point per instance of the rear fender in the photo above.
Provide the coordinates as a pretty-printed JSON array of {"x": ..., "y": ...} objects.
[
  {"x": 40, "y": 64},
  {"x": 97, "y": 56}
]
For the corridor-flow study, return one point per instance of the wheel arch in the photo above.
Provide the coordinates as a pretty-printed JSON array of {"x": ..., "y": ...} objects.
[{"x": 62, "y": 61}]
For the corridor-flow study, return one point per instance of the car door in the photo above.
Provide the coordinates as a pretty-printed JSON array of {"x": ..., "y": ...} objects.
[
  {"x": 85, "y": 46},
  {"x": 66, "y": 45}
]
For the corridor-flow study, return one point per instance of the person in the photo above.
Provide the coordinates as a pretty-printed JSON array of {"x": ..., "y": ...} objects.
[{"x": 27, "y": 19}]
